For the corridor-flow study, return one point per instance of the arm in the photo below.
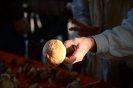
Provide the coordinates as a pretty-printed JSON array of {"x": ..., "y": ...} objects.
[{"x": 117, "y": 42}]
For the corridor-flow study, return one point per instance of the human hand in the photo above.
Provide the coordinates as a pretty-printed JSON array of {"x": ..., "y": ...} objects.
[
  {"x": 21, "y": 26},
  {"x": 82, "y": 45},
  {"x": 83, "y": 30}
]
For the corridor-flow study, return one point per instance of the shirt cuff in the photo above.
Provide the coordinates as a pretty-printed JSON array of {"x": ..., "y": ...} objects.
[{"x": 101, "y": 42}]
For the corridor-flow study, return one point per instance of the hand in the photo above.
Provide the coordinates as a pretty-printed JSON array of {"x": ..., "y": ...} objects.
[
  {"x": 82, "y": 46},
  {"x": 83, "y": 30},
  {"x": 21, "y": 26}
]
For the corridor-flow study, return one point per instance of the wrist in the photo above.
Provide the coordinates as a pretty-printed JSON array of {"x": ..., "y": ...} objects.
[{"x": 93, "y": 45}]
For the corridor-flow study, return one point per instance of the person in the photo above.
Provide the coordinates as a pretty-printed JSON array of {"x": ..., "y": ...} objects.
[
  {"x": 109, "y": 44},
  {"x": 13, "y": 25},
  {"x": 93, "y": 17}
]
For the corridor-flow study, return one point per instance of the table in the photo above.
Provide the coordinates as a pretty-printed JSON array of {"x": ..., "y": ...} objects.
[{"x": 8, "y": 58}]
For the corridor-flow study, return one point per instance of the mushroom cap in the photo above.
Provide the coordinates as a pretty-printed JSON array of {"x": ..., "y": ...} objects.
[{"x": 54, "y": 52}]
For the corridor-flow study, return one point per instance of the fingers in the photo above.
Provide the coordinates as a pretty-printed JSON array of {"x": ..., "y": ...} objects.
[
  {"x": 76, "y": 56},
  {"x": 73, "y": 42},
  {"x": 69, "y": 43},
  {"x": 69, "y": 61},
  {"x": 77, "y": 22},
  {"x": 74, "y": 29},
  {"x": 70, "y": 51}
]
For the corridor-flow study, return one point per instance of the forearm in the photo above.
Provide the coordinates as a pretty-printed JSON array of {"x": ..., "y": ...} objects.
[{"x": 117, "y": 42}]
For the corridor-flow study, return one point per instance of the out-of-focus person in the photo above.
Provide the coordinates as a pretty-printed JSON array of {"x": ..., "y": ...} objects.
[{"x": 13, "y": 25}]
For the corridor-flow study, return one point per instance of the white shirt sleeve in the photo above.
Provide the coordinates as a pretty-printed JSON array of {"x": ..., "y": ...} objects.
[{"x": 117, "y": 42}]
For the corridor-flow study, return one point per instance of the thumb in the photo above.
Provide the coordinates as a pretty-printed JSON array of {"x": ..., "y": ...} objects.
[{"x": 68, "y": 43}]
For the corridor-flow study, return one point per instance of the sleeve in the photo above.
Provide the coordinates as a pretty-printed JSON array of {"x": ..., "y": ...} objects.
[
  {"x": 117, "y": 42},
  {"x": 80, "y": 10},
  {"x": 15, "y": 9}
]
